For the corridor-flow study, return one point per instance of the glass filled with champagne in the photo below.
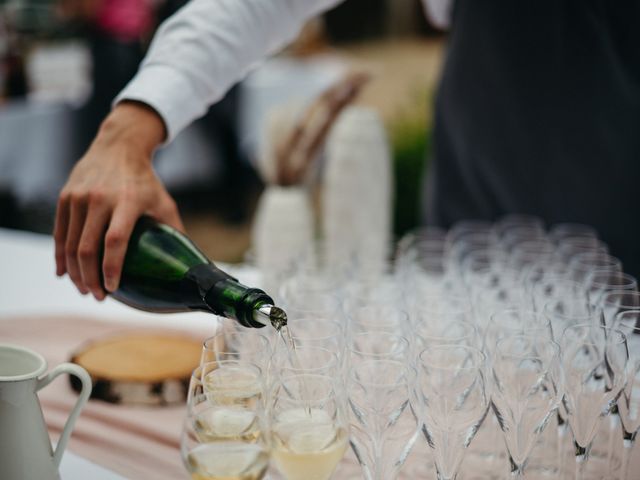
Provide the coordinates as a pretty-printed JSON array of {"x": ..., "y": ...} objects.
[
  {"x": 223, "y": 436},
  {"x": 309, "y": 430}
]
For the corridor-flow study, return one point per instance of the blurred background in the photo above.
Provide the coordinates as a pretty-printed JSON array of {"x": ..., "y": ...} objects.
[{"x": 61, "y": 64}]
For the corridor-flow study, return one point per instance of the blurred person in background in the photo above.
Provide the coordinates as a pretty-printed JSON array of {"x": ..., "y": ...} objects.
[
  {"x": 116, "y": 31},
  {"x": 537, "y": 112}
]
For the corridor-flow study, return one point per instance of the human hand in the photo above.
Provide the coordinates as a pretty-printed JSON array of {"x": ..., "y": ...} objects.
[{"x": 111, "y": 186}]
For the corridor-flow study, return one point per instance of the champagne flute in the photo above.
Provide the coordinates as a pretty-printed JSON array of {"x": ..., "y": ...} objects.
[
  {"x": 599, "y": 282},
  {"x": 232, "y": 382},
  {"x": 515, "y": 321},
  {"x": 556, "y": 288},
  {"x": 594, "y": 360},
  {"x": 451, "y": 402},
  {"x": 616, "y": 301},
  {"x": 219, "y": 459},
  {"x": 629, "y": 404},
  {"x": 422, "y": 243},
  {"x": 526, "y": 391},
  {"x": 308, "y": 359},
  {"x": 507, "y": 323},
  {"x": 439, "y": 309},
  {"x": 320, "y": 332},
  {"x": 526, "y": 254},
  {"x": 377, "y": 345},
  {"x": 384, "y": 428},
  {"x": 223, "y": 431},
  {"x": 309, "y": 428},
  {"x": 563, "y": 311},
  {"x": 447, "y": 332},
  {"x": 384, "y": 318},
  {"x": 247, "y": 345},
  {"x": 582, "y": 264}
]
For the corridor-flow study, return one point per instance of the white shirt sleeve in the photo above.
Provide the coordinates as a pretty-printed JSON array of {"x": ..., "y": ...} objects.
[
  {"x": 206, "y": 47},
  {"x": 439, "y": 12}
]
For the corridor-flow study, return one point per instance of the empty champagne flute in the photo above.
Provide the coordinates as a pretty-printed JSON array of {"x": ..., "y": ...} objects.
[
  {"x": 568, "y": 248},
  {"x": 320, "y": 332},
  {"x": 515, "y": 321},
  {"x": 384, "y": 428},
  {"x": 526, "y": 391},
  {"x": 423, "y": 242},
  {"x": 458, "y": 248},
  {"x": 438, "y": 309},
  {"x": 383, "y": 318},
  {"x": 528, "y": 253},
  {"x": 594, "y": 361},
  {"x": 451, "y": 402},
  {"x": 616, "y": 301},
  {"x": 629, "y": 403},
  {"x": 449, "y": 331},
  {"x": 556, "y": 288},
  {"x": 242, "y": 345},
  {"x": 377, "y": 345},
  {"x": 309, "y": 427},
  {"x": 599, "y": 282},
  {"x": 582, "y": 264},
  {"x": 308, "y": 359},
  {"x": 568, "y": 310},
  {"x": 612, "y": 304},
  {"x": 569, "y": 307}
]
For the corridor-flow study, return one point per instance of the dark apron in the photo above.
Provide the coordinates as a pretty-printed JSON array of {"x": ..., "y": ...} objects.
[{"x": 538, "y": 112}]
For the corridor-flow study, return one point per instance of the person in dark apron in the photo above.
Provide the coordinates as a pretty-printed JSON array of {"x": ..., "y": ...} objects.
[{"x": 538, "y": 112}]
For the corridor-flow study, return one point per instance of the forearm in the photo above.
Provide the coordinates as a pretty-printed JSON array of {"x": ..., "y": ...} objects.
[
  {"x": 208, "y": 46},
  {"x": 135, "y": 124}
]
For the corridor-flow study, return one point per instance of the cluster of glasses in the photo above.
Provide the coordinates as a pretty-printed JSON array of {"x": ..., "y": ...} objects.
[{"x": 504, "y": 345}]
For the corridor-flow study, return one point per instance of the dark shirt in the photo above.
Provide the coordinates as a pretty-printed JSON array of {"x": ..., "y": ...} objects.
[{"x": 538, "y": 112}]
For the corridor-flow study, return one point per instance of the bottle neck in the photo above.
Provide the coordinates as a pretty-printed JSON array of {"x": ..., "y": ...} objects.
[{"x": 221, "y": 294}]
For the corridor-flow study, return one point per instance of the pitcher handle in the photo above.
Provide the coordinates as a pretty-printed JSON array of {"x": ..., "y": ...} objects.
[{"x": 85, "y": 379}]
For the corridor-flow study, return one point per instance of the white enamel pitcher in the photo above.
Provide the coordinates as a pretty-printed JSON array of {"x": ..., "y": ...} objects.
[{"x": 25, "y": 448}]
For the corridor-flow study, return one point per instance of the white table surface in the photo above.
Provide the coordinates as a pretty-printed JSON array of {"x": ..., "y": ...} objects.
[{"x": 28, "y": 286}]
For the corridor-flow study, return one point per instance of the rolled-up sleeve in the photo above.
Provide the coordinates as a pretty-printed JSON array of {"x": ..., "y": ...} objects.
[{"x": 206, "y": 47}]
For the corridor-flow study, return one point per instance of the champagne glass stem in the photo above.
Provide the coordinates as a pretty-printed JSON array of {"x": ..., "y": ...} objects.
[
  {"x": 629, "y": 442},
  {"x": 517, "y": 471},
  {"x": 582, "y": 457},
  {"x": 614, "y": 423},
  {"x": 563, "y": 427},
  {"x": 442, "y": 477}
]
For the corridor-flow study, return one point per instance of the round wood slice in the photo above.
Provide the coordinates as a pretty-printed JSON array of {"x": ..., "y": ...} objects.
[{"x": 139, "y": 368}]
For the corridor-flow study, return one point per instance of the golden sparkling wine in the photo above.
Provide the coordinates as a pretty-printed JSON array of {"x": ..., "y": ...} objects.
[
  {"x": 227, "y": 423},
  {"x": 307, "y": 445},
  {"x": 228, "y": 461}
]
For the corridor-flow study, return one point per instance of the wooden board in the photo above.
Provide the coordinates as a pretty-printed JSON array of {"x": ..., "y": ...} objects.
[{"x": 139, "y": 368}]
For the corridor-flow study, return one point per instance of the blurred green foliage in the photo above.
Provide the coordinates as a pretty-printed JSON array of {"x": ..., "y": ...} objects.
[{"x": 410, "y": 136}]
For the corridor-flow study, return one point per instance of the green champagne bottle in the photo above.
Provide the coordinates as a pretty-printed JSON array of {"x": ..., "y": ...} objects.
[{"x": 165, "y": 272}]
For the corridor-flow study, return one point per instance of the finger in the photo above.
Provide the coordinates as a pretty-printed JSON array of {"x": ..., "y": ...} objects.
[
  {"x": 169, "y": 214},
  {"x": 89, "y": 248},
  {"x": 78, "y": 212},
  {"x": 115, "y": 244},
  {"x": 60, "y": 233}
]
